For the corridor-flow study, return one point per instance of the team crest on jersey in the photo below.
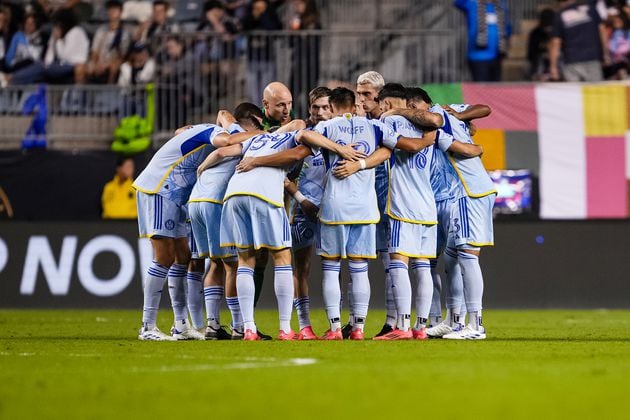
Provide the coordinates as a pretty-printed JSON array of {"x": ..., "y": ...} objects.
[
  {"x": 362, "y": 146},
  {"x": 169, "y": 224}
]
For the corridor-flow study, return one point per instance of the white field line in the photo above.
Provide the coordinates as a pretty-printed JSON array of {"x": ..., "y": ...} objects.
[{"x": 246, "y": 363}]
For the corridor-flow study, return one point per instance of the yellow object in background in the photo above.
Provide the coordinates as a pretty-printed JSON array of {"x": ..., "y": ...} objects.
[
  {"x": 605, "y": 110},
  {"x": 493, "y": 143}
]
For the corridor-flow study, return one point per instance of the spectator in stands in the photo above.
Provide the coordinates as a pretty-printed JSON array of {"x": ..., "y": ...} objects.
[
  {"x": 489, "y": 31},
  {"x": 66, "y": 54},
  {"x": 36, "y": 38},
  {"x": 151, "y": 32},
  {"x": 215, "y": 19},
  {"x": 237, "y": 9},
  {"x": 262, "y": 15},
  {"x": 137, "y": 10},
  {"x": 81, "y": 9},
  {"x": 303, "y": 15},
  {"x": 178, "y": 94},
  {"x": 14, "y": 52},
  {"x": 139, "y": 67},
  {"x": 109, "y": 46},
  {"x": 579, "y": 34},
  {"x": 119, "y": 198},
  {"x": 618, "y": 44},
  {"x": 538, "y": 46}
]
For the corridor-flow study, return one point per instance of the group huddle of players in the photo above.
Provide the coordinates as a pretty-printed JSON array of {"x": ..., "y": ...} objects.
[{"x": 383, "y": 172}]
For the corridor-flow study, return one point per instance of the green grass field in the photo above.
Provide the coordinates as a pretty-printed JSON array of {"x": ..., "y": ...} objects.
[{"x": 535, "y": 364}]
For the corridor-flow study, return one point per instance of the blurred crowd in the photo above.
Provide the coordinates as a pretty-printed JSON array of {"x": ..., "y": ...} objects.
[
  {"x": 71, "y": 41},
  {"x": 581, "y": 41}
]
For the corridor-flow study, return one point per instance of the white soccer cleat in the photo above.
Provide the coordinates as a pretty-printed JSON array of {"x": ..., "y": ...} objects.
[
  {"x": 440, "y": 330},
  {"x": 466, "y": 333},
  {"x": 187, "y": 334},
  {"x": 153, "y": 334}
]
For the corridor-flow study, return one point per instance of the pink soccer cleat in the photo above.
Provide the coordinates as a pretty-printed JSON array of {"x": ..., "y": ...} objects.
[
  {"x": 250, "y": 336},
  {"x": 287, "y": 336},
  {"x": 420, "y": 334},
  {"x": 357, "y": 335},
  {"x": 395, "y": 335},
  {"x": 307, "y": 333},
  {"x": 333, "y": 335}
]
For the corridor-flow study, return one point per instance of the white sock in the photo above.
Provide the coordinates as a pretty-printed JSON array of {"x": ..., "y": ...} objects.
[
  {"x": 195, "y": 298},
  {"x": 475, "y": 319},
  {"x": 358, "y": 323},
  {"x": 399, "y": 273},
  {"x": 462, "y": 314},
  {"x": 235, "y": 310},
  {"x": 390, "y": 303},
  {"x": 283, "y": 285},
  {"x": 455, "y": 289},
  {"x": 473, "y": 280},
  {"x": 421, "y": 271},
  {"x": 302, "y": 307},
  {"x": 245, "y": 289},
  {"x": 350, "y": 302},
  {"x": 213, "y": 296},
  {"x": 435, "y": 314},
  {"x": 152, "y": 293},
  {"x": 360, "y": 289},
  {"x": 332, "y": 292},
  {"x": 177, "y": 290}
]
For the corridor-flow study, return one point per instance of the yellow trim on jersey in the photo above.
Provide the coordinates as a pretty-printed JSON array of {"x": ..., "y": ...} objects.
[
  {"x": 413, "y": 222},
  {"x": 240, "y": 246},
  {"x": 203, "y": 255},
  {"x": 263, "y": 198},
  {"x": 412, "y": 255},
  {"x": 480, "y": 244},
  {"x": 352, "y": 222},
  {"x": 461, "y": 179},
  {"x": 170, "y": 169},
  {"x": 222, "y": 256},
  {"x": 323, "y": 254},
  {"x": 205, "y": 200}
]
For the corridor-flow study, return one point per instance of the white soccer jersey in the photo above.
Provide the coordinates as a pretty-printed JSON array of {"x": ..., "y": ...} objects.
[
  {"x": 471, "y": 172},
  {"x": 351, "y": 200},
  {"x": 263, "y": 182},
  {"x": 410, "y": 196},
  {"x": 172, "y": 171},
  {"x": 311, "y": 179},
  {"x": 444, "y": 180}
]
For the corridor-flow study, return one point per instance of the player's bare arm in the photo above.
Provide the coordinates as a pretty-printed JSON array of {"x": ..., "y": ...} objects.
[
  {"x": 315, "y": 139},
  {"x": 225, "y": 118},
  {"x": 218, "y": 155},
  {"x": 182, "y": 129},
  {"x": 345, "y": 168},
  {"x": 466, "y": 150},
  {"x": 237, "y": 138},
  {"x": 418, "y": 117},
  {"x": 414, "y": 145},
  {"x": 282, "y": 159},
  {"x": 473, "y": 112},
  {"x": 294, "y": 125},
  {"x": 307, "y": 206}
]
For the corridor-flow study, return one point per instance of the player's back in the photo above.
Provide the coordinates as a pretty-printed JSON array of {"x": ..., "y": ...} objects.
[
  {"x": 410, "y": 194},
  {"x": 471, "y": 172},
  {"x": 172, "y": 172},
  {"x": 353, "y": 199},
  {"x": 264, "y": 182}
]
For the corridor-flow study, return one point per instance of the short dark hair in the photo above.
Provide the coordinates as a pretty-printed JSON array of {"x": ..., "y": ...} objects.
[
  {"x": 341, "y": 97},
  {"x": 161, "y": 3},
  {"x": 212, "y": 4},
  {"x": 418, "y": 94},
  {"x": 113, "y": 3},
  {"x": 248, "y": 112},
  {"x": 318, "y": 92},
  {"x": 392, "y": 90}
]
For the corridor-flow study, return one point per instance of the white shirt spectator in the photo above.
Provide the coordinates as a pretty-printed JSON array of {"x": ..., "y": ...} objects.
[{"x": 72, "y": 49}]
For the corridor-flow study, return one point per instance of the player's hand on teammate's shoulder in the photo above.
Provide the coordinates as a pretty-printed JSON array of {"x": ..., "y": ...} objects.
[
  {"x": 451, "y": 111},
  {"x": 348, "y": 152},
  {"x": 246, "y": 164},
  {"x": 309, "y": 209},
  {"x": 345, "y": 168},
  {"x": 225, "y": 118}
]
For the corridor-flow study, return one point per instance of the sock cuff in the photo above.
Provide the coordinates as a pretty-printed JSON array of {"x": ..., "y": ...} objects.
[
  {"x": 466, "y": 255},
  {"x": 231, "y": 301},
  {"x": 177, "y": 270},
  {"x": 415, "y": 265},
  {"x": 157, "y": 270},
  {"x": 245, "y": 270},
  {"x": 397, "y": 265},
  {"x": 331, "y": 266},
  {"x": 451, "y": 252},
  {"x": 213, "y": 291},
  {"x": 358, "y": 266},
  {"x": 283, "y": 268},
  {"x": 194, "y": 276}
]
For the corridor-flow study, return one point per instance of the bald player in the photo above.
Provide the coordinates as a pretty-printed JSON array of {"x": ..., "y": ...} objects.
[{"x": 277, "y": 106}]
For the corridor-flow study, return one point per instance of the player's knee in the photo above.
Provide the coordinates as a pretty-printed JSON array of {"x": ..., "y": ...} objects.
[{"x": 197, "y": 265}]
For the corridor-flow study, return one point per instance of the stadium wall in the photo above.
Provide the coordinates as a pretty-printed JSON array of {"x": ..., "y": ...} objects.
[{"x": 561, "y": 264}]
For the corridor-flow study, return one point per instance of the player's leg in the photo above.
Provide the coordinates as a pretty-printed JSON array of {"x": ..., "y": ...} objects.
[
  {"x": 401, "y": 288},
  {"x": 213, "y": 291},
  {"x": 245, "y": 290},
  {"x": 182, "y": 330},
  {"x": 330, "y": 247},
  {"x": 382, "y": 244},
  {"x": 302, "y": 300},
  {"x": 435, "y": 313},
  {"x": 194, "y": 293},
  {"x": 360, "y": 246},
  {"x": 283, "y": 286},
  {"x": 230, "y": 265}
]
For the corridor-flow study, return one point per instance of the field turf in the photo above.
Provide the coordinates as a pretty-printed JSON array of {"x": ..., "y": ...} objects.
[{"x": 535, "y": 364}]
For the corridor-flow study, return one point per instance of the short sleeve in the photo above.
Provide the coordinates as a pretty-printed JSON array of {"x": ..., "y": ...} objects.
[
  {"x": 214, "y": 133},
  {"x": 235, "y": 128},
  {"x": 321, "y": 128},
  {"x": 389, "y": 135},
  {"x": 444, "y": 140},
  {"x": 459, "y": 107}
]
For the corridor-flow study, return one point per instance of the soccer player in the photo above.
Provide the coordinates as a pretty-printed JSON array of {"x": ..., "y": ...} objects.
[
  {"x": 163, "y": 189},
  {"x": 471, "y": 215},
  {"x": 205, "y": 207},
  {"x": 349, "y": 212},
  {"x": 253, "y": 218},
  {"x": 303, "y": 215},
  {"x": 368, "y": 86}
]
